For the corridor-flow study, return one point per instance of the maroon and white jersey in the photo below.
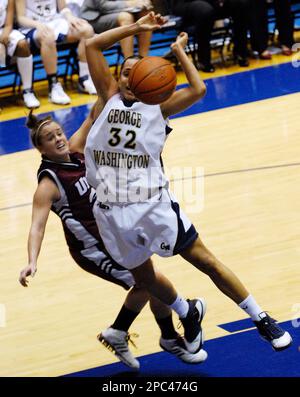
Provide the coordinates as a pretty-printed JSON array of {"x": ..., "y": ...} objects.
[{"x": 75, "y": 207}]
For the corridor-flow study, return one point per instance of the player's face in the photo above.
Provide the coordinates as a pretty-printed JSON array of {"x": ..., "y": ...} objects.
[
  {"x": 123, "y": 81},
  {"x": 54, "y": 143}
]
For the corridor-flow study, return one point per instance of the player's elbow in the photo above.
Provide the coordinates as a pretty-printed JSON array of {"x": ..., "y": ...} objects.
[
  {"x": 200, "y": 90},
  {"x": 197, "y": 92}
]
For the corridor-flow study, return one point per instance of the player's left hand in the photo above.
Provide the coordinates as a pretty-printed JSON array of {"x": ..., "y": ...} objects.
[
  {"x": 29, "y": 270},
  {"x": 150, "y": 22}
]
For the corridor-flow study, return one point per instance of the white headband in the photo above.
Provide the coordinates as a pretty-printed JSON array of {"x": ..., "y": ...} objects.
[{"x": 39, "y": 128}]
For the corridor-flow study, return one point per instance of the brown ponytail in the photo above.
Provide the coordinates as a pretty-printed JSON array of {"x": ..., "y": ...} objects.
[{"x": 36, "y": 125}]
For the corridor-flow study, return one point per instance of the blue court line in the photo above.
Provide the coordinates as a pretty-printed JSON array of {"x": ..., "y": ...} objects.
[
  {"x": 237, "y": 355},
  {"x": 222, "y": 92},
  {"x": 239, "y": 325}
]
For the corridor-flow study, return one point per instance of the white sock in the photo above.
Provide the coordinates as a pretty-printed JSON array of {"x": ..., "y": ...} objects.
[
  {"x": 83, "y": 69},
  {"x": 250, "y": 306},
  {"x": 180, "y": 306},
  {"x": 25, "y": 66}
]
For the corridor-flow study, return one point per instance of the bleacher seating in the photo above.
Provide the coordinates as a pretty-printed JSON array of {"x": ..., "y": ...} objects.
[{"x": 161, "y": 40}]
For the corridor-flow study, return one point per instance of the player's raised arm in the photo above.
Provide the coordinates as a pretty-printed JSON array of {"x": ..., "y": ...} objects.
[
  {"x": 105, "y": 83},
  {"x": 78, "y": 139},
  {"x": 185, "y": 97},
  {"x": 46, "y": 193}
]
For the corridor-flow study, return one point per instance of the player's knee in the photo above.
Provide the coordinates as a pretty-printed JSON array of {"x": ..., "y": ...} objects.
[
  {"x": 48, "y": 40},
  {"x": 144, "y": 279},
  {"x": 23, "y": 49},
  {"x": 213, "y": 269},
  {"x": 208, "y": 264},
  {"x": 125, "y": 18},
  {"x": 86, "y": 31}
]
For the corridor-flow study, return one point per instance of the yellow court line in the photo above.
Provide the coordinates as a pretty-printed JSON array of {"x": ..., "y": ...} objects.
[
  {"x": 229, "y": 68},
  {"x": 11, "y": 107}
]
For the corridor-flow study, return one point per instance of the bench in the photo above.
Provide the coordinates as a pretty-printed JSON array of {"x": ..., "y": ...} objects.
[
  {"x": 161, "y": 40},
  {"x": 67, "y": 65}
]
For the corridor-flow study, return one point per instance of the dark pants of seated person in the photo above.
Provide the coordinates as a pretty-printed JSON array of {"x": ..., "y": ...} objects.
[
  {"x": 259, "y": 23},
  {"x": 202, "y": 13}
]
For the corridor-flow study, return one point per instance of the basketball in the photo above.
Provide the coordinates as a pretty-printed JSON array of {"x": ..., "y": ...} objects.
[{"x": 152, "y": 80}]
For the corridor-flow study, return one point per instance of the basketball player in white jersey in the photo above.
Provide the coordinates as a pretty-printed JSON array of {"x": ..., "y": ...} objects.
[
  {"x": 136, "y": 214},
  {"x": 62, "y": 188},
  {"x": 47, "y": 22},
  {"x": 13, "y": 43}
]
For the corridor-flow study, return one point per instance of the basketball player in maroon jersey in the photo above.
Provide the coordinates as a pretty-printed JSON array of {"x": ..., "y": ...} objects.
[{"x": 63, "y": 188}]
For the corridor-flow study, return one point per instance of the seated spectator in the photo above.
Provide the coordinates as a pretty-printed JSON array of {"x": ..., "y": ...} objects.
[
  {"x": 48, "y": 23},
  {"x": 201, "y": 14},
  {"x": 75, "y": 6},
  {"x": 104, "y": 15},
  {"x": 259, "y": 26},
  {"x": 13, "y": 43}
]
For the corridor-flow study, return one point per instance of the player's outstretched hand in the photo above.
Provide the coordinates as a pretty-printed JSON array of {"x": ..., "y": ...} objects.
[
  {"x": 181, "y": 41},
  {"x": 151, "y": 22},
  {"x": 29, "y": 270}
]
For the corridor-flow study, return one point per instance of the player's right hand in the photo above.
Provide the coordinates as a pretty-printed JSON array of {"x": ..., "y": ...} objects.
[
  {"x": 29, "y": 270},
  {"x": 181, "y": 40},
  {"x": 4, "y": 38}
]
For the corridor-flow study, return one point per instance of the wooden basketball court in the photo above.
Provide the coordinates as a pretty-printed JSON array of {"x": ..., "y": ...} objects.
[{"x": 250, "y": 220}]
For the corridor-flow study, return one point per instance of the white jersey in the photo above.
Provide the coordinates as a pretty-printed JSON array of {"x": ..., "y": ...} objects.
[
  {"x": 135, "y": 213},
  {"x": 3, "y": 12},
  {"x": 123, "y": 151},
  {"x": 41, "y": 10}
]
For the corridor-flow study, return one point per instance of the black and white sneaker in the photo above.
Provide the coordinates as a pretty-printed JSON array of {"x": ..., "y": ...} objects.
[
  {"x": 193, "y": 334},
  {"x": 178, "y": 348},
  {"x": 273, "y": 333},
  {"x": 116, "y": 341},
  {"x": 86, "y": 85}
]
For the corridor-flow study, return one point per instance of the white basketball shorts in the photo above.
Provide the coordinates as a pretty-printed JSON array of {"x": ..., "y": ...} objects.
[
  {"x": 132, "y": 233},
  {"x": 14, "y": 37},
  {"x": 59, "y": 25}
]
